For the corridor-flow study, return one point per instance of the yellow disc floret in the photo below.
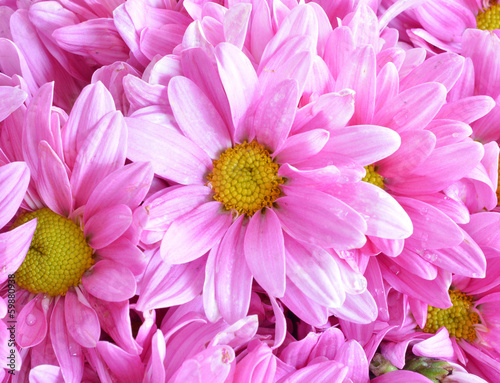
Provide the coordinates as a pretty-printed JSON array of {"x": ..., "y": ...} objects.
[
  {"x": 245, "y": 178},
  {"x": 459, "y": 319},
  {"x": 58, "y": 255},
  {"x": 489, "y": 19},
  {"x": 373, "y": 177}
]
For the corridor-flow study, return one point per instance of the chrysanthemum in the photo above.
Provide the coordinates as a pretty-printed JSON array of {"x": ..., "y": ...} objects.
[{"x": 82, "y": 263}]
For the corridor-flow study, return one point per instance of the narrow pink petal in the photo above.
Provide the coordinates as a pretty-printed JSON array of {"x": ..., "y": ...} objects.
[
  {"x": 413, "y": 108},
  {"x": 107, "y": 225},
  {"x": 482, "y": 228},
  {"x": 265, "y": 252},
  {"x": 258, "y": 365},
  {"x": 46, "y": 374},
  {"x": 401, "y": 376},
  {"x": 197, "y": 117},
  {"x": 302, "y": 146},
  {"x": 155, "y": 371},
  {"x": 209, "y": 301},
  {"x": 339, "y": 48},
  {"x": 467, "y": 109},
  {"x": 193, "y": 234},
  {"x": 437, "y": 346},
  {"x": 280, "y": 323},
  {"x": 302, "y": 306},
  {"x": 449, "y": 132},
  {"x": 365, "y": 144},
  {"x": 32, "y": 322},
  {"x": 164, "y": 70},
  {"x": 68, "y": 352},
  {"x": 377, "y": 288},
  {"x": 233, "y": 278},
  {"x": 172, "y": 155},
  {"x": 128, "y": 186},
  {"x": 317, "y": 218},
  {"x": 124, "y": 252},
  {"x": 357, "y": 308},
  {"x": 352, "y": 351},
  {"x": 492, "y": 277},
  {"x": 10, "y": 99},
  {"x": 102, "y": 152},
  {"x": 484, "y": 128},
  {"x": 161, "y": 41},
  {"x": 314, "y": 272},
  {"x": 328, "y": 371},
  {"x": 274, "y": 114},
  {"x": 419, "y": 265},
  {"x": 109, "y": 281},
  {"x": 454, "y": 209},
  {"x": 236, "y": 24},
  {"x": 125, "y": 367},
  {"x": 52, "y": 181},
  {"x": 142, "y": 94},
  {"x": 81, "y": 320},
  {"x": 14, "y": 178},
  {"x": 165, "y": 285},
  {"x": 387, "y": 84},
  {"x": 321, "y": 179},
  {"x": 239, "y": 79},
  {"x": 14, "y": 245},
  {"x": 261, "y": 25}
]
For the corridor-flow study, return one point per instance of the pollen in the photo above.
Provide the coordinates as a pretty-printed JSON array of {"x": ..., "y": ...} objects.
[
  {"x": 489, "y": 19},
  {"x": 58, "y": 255},
  {"x": 245, "y": 178},
  {"x": 373, "y": 177},
  {"x": 459, "y": 319}
]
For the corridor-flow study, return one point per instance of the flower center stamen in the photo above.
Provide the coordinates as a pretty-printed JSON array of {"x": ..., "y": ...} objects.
[
  {"x": 373, "y": 177},
  {"x": 58, "y": 255},
  {"x": 459, "y": 319},
  {"x": 245, "y": 178},
  {"x": 489, "y": 19}
]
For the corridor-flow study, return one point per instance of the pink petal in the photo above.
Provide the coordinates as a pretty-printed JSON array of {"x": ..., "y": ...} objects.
[
  {"x": 81, "y": 320},
  {"x": 197, "y": 117},
  {"x": 107, "y": 225},
  {"x": 52, "y": 181},
  {"x": 352, "y": 354},
  {"x": 314, "y": 272},
  {"x": 258, "y": 365},
  {"x": 321, "y": 179},
  {"x": 142, "y": 94},
  {"x": 328, "y": 371},
  {"x": 317, "y": 218},
  {"x": 102, "y": 152},
  {"x": 161, "y": 41},
  {"x": 125, "y": 253},
  {"x": 209, "y": 302},
  {"x": 46, "y": 374},
  {"x": 261, "y": 25},
  {"x": 357, "y": 308},
  {"x": 193, "y": 234},
  {"x": 14, "y": 178},
  {"x": 11, "y": 99},
  {"x": 109, "y": 281},
  {"x": 172, "y": 155},
  {"x": 155, "y": 371},
  {"x": 468, "y": 109},
  {"x": 411, "y": 260},
  {"x": 401, "y": 376},
  {"x": 437, "y": 346},
  {"x": 125, "y": 367},
  {"x": 233, "y": 278},
  {"x": 68, "y": 352},
  {"x": 32, "y": 322},
  {"x": 265, "y": 252},
  {"x": 302, "y": 146},
  {"x": 236, "y": 23}
]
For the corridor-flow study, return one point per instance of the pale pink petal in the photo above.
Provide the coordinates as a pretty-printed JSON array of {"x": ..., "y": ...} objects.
[
  {"x": 124, "y": 252},
  {"x": 302, "y": 146},
  {"x": 81, "y": 319},
  {"x": 265, "y": 253},
  {"x": 437, "y": 346},
  {"x": 377, "y": 289},
  {"x": 107, "y": 225},
  {"x": 109, "y": 281},
  {"x": 259, "y": 365},
  {"x": 321, "y": 179},
  {"x": 125, "y": 367},
  {"x": 261, "y": 26},
  {"x": 68, "y": 352},
  {"x": 233, "y": 278},
  {"x": 274, "y": 113},
  {"x": 155, "y": 371},
  {"x": 401, "y": 376},
  {"x": 468, "y": 109},
  {"x": 314, "y": 272},
  {"x": 102, "y": 152},
  {"x": 339, "y": 48},
  {"x": 161, "y": 41},
  {"x": 46, "y": 374},
  {"x": 352, "y": 354},
  {"x": 449, "y": 132},
  {"x": 209, "y": 302},
  {"x": 417, "y": 261},
  {"x": 357, "y": 308},
  {"x": 14, "y": 245},
  {"x": 142, "y": 94},
  {"x": 32, "y": 322},
  {"x": 52, "y": 181},
  {"x": 328, "y": 371},
  {"x": 165, "y": 285},
  {"x": 172, "y": 155},
  {"x": 239, "y": 79},
  {"x": 10, "y": 99},
  {"x": 193, "y": 234},
  {"x": 14, "y": 178},
  {"x": 197, "y": 117},
  {"x": 236, "y": 23},
  {"x": 317, "y": 218}
]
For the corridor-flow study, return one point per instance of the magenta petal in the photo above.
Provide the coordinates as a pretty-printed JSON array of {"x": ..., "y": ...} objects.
[
  {"x": 172, "y": 155},
  {"x": 401, "y": 376},
  {"x": 352, "y": 351},
  {"x": 209, "y": 302},
  {"x": 10, "y": 99},
  {"x": 125, "y": 253},
  {"x": 328, "y": 371},
  {"x": 258, "y": 365},
  {"x": 81, "y": 320},
  {"x": 14, "y": 246},
  {"x": 468, "y": 109},
  {"x": 109, "y": 281},
  {"x": 52, "y": 181},
  {"x": 197, "y": 117},
  {"x": 320, "y": 219},
  {"x": 313, "y": 270},
  {"x": 32, "y": 322},
  {"x": 233, "y": 278},
  {"x": 301, "y": 146},
  {"x": 14, "y": 178},
  {"x": 193, "y": 234},
  {"x": 437, "y": 346},
  {"x": 265, "y": 253},
  {"x": 68, "y": 352},
  {"x": 125, "y": 367},
  {"x": 107, "y": 225},
  {"x": 411, "y": 260},
  {"x": 102, "y": 152},
  {"x": 155, "y": 371}
]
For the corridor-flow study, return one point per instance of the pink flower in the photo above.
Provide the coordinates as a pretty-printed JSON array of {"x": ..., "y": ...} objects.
[{"x": 84, "y": 204}]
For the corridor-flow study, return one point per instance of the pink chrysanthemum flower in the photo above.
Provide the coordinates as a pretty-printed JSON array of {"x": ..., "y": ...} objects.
[{"x": 84, "y": 203}]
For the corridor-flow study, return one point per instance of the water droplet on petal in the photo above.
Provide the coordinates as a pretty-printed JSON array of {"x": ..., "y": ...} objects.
[
  {"x": 31, "y": 320},
  {"x": 394, "y": 269}
]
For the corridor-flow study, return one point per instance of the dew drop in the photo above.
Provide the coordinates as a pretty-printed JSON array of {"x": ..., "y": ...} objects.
[
  {"x": 383, "y": 311},
  {"x": 424, "y": 211},
  {"x": 31, "y": 320},
  {"x": 424, "y": 237},
  {"x": 394, "y": 269}
]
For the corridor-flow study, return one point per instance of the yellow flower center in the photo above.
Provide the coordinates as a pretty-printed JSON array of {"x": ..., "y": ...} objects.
[
  {"x": 58, "y": 255},
  {"x": 245, "y": 178},
  {"x": 373, "y": 177},
  {"x": 489, "y": 19},
  {"x": 459, "y": 319}
]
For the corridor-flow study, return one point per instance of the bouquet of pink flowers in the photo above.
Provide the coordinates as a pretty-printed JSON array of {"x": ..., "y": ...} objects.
[{"x": 249, "y": 191}]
